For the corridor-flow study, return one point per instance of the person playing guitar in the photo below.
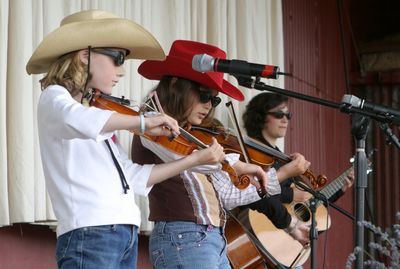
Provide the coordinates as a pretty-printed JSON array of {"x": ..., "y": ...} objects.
[{"x": 266, "y": 119}]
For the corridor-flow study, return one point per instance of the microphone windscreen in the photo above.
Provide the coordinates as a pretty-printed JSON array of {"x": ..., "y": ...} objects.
[
  {"x": 352, "y": 100},
  {"x": 203, "y": 63}
]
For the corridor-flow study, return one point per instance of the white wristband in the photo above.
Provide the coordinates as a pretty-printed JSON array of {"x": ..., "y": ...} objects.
[{"x": 142, "y": 124}]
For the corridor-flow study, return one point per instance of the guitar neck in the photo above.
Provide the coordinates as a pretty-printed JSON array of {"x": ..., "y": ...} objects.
[{"x": 338, "y": 183}]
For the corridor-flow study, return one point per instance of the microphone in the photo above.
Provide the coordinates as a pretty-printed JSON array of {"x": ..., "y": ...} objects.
[
  {"x": 390, "y": 113},
  {"x": 207, "y": 63}
]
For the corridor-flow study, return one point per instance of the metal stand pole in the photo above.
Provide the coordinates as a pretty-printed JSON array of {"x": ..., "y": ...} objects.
[
  {"x": 359, "y": 130},
  {"x": 313, "y": 233}
]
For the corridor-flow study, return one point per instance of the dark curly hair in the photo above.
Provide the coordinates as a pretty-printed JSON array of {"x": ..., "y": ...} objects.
[{"x": 256, "y": 109}]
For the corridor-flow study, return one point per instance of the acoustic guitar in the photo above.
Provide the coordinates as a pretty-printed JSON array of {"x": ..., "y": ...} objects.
[
  {"x": 286, "y": 250},
  {"x": 244, "y": 250},
  {"x": 241, "y": 251}
]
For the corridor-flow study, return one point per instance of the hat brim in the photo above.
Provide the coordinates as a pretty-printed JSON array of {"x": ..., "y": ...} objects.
[
  {"x": 109, "y": 32},
  {"x": 155, "y": 70}
]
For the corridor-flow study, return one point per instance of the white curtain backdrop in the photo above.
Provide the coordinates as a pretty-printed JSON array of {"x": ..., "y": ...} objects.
[{"x": 250, "y": 30}]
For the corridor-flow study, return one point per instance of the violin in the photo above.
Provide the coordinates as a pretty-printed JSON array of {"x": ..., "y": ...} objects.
[
  {"x": 259, "y": 153},
  {"x": 183, "y": 144}
]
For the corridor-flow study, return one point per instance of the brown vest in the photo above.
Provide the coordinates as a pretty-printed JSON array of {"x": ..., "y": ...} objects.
[{"x": 190, "y": 199}]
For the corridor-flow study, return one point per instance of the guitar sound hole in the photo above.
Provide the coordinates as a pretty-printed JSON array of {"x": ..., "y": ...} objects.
[{"x": 302, "y": 213}]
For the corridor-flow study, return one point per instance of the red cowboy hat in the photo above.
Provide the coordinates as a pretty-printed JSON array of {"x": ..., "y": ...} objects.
[{"x": 179, "y": 63}]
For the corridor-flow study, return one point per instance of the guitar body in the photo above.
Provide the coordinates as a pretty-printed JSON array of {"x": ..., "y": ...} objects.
[
  {"x": 241, "y": 251},
  {"x": 277, "y": 246},
  {"x": 281, "y": 245}
]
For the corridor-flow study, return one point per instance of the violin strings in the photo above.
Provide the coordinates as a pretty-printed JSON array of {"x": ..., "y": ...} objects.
[{"x": 192, "y": 138}]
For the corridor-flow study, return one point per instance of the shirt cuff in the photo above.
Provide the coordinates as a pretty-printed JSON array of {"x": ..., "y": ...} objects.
[
  {"x": 232, "y": 158},
  {"x": 273, "y": 186}
]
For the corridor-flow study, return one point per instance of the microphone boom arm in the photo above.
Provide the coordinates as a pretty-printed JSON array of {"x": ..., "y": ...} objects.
[{"x": 255, "y": 83}]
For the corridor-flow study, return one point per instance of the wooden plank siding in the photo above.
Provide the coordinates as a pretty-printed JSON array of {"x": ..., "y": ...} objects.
[{"x": 313, "y": 55}]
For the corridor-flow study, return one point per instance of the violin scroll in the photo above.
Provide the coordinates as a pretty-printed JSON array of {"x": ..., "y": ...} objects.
[
  {"x": 240, "y": 182},
  {"x": 316, "y": 182},
  {"x": 320, "y": 181}
]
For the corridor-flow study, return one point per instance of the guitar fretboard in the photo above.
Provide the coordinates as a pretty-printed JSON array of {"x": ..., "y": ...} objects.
[
  {"x": 336, "y": 184},
  {"x": 329, "y": 190}
]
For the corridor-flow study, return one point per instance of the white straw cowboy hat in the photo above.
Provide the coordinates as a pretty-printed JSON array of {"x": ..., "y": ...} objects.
[{"x": 95, "y": 28}]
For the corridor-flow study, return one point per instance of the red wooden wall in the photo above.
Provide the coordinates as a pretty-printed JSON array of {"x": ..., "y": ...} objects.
[
  {"x": 27, "y": 246},
  {"x": 314, "y": 57}
]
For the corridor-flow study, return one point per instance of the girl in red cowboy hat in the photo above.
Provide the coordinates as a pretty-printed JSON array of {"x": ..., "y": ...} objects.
[
  {"x": 188, "y": 209},
  {"x": 89, "y": 177}
]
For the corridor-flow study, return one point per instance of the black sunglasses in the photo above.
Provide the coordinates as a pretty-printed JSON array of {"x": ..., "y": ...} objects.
[
  {"x": 206, "y": 96},
  {"x": 280, "y": 114},
  {"x": 117, "y": 55}
]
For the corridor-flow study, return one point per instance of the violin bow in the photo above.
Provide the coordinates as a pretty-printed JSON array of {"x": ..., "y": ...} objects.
[
  {"x": 232, "y": 116},
  {"x": 157, "y": 108}
]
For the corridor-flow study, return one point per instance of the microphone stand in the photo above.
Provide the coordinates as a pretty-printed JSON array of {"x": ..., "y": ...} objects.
[
  {"x": 360, "y": 122},
  {"x": 390, "y": 136},
  {"x": 313, "y": 233},
  {"x": 314, "y": 203},
  {"x": 342, "y": 211},
  {"x": 359, "y": 130}
]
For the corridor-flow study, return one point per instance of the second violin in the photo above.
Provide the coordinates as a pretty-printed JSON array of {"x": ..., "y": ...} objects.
[{"x": 258, "y": 153}]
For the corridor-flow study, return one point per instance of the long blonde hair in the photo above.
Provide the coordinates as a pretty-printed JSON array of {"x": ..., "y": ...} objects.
[{"x": 68, "y": 71}]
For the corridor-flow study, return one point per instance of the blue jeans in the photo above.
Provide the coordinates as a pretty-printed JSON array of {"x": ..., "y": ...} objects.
[
  {"x": 183, "y": 244},
  {"x": 98, "y": 247}
]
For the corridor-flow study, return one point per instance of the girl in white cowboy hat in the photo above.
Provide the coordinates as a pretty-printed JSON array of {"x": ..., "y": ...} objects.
[
  {"x": 89, "y": 177},
  {"x": 188, "y": 209}
]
